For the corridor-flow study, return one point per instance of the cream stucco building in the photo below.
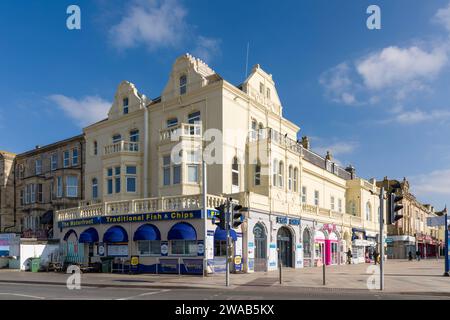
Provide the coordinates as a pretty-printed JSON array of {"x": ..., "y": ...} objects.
[{"x": 144, "y": 190}]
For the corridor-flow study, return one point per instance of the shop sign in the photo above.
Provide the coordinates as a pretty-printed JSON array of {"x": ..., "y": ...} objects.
[
  {"x": 133, "y": 218},
  {"x": 285, "y": 220},
  {"x": 237, "y": 260},
  {"x": 164, "y": 248},
  {"x": 193, "y": 266},
  {"x": 134, "y": 260},
  {"x": 168, "y": 265},
  {"x": 101, "y": 249},
  {"x": 117, "y": 250},
  {"x": 200, "y": 248},
  {"x": 329, "y": 228},
  {"x": 388, "y": 240}
]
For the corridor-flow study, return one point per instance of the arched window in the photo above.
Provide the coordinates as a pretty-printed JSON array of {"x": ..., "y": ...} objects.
[
  {"x": 368, "y": 212},
  {"x": 183, "y": 84},
  {"x": 281, "y": 174},
  {"x": 235, "y": 172},
  {"x": 295, "y": 180},
  {"x": 275, "y": 172},
  {"x": 258, "y": 173},
  {"x": 94, "y": 188},
  {"x": 290, "y": 176}
]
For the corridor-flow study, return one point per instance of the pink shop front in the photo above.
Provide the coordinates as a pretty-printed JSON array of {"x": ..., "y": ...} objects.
[{"x": 327, "y": 245}]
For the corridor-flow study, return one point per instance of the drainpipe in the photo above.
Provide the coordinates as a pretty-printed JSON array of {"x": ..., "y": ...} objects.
[{"x": 146, "y": 142}]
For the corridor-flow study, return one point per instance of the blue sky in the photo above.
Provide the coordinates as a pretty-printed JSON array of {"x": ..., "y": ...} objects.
[{"x": 378, "y": 99}]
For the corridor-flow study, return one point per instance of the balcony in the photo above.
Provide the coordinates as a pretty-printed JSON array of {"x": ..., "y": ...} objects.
[
  {"x": 139, "y": 206},
  {"x": 121, "y": 147},
  {"x": 183, "y": 130}
]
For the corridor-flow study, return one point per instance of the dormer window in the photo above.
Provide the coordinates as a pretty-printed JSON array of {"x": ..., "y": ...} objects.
[
  {"x": 125, "y": 106},
  {"x": 183, "y": 85}
]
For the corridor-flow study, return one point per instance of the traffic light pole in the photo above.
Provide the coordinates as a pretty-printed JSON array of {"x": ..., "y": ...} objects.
[
  {"x": 382, "y": 239},
  {"x": 229, "y": 210}
]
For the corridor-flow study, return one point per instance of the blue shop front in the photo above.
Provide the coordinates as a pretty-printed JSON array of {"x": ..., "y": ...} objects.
[{"x": 157, "y": 243}]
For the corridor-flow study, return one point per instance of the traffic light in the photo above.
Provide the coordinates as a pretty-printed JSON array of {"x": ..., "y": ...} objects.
[
  {"x": 393, "y": 207},
  {"x": 220, "y": 220},
  {"x": 238, "y": 216}
]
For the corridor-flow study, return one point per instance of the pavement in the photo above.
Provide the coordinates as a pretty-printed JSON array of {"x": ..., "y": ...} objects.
[{"x": 403, "y": 279}]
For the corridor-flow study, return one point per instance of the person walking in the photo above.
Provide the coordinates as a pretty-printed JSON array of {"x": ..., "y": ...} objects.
[
  {"x": 375, "y": 256},
  {"x": 349, "y": 256},
  {"x": 418, "y": 255}
]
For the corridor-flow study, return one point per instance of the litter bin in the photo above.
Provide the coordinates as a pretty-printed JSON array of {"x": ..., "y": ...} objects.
[
  {"x": 107, "y": 265},
  {"x": 35, "y": 264}
]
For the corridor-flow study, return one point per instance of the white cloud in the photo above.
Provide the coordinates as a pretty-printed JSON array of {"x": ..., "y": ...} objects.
[
  {"x": 157, "y": 24},
  {"x": 443, "y": 17},
  {"x": 394, "y": 66},
  {"x": 84, "y": 111},
  {"x": 417, "y": 116},
  {"x": 391, "y": 74},
  {"x": 339, "y": 85},
  {"x": 206, "y": 48},
  {"x": 338, "y": 148},
  {"x": 153, "y": 23},
  {"x": 436, "y": 182}
]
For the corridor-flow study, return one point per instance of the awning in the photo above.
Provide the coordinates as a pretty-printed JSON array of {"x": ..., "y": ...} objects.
[
  {"x": 47, "y": 218},
  {"x": 89, "y": 236},
  {"x": 182, "y": 231},
  {"x": 147, "y": 232},
  {"x": 221, "y": 234},
  {"x": 115, "y": 235}
]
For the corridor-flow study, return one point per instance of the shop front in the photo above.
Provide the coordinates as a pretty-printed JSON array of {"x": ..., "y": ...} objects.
[
  {"x": 169, "y": 242},
  {"x": 319, "y": 248}
]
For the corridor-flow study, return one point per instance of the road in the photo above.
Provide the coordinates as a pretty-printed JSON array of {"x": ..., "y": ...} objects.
[{"x": 16, "y": 291}]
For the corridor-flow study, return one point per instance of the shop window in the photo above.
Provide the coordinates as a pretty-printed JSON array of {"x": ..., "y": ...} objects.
[
  {"x": 152, "y": 247},
  {"x": 306, "y": 243},
  {"x": 220, "y": 248},
  {"x": 183, "y": 247}
]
